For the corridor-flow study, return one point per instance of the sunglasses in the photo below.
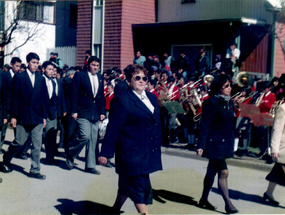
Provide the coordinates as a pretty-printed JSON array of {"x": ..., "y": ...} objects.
[{"x": 138, "y": 78}]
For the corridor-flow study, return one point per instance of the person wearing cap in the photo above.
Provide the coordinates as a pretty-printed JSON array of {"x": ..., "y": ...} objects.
[
  {"x": 218, "y": 62},
  {"x": 139, "y": 59},
  {"x": 156, "y": 61},
  {"x": 202, "y": 64}
]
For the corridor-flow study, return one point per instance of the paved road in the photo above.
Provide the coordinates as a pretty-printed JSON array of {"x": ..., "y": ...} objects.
[{"x": 178, "y": 188}]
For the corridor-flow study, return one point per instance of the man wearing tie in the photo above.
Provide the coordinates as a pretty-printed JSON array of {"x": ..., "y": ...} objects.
[
  {"x": 7, "y": 77},
  {"x": 56, "y": 108},
  {"x": 29, "y": 110},
  {"x": 87, "y": 108}
]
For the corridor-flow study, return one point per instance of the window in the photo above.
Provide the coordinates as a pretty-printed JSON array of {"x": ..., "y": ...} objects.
[
  {"x": 36, "y": 11},
  {"x": 98, "y": 2},
  {"x": 73, "y": 16},
  {"x": 188, "y": 1}
]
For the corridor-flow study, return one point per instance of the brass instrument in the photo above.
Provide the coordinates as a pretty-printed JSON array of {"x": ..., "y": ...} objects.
[
  {"x": 197, "y": 117},
  {"x": 259, "y": 99},
  {"x": 208, "y": 79},
  {"x": 244, "y": 79},
  {"x": 274, "y": 107}
]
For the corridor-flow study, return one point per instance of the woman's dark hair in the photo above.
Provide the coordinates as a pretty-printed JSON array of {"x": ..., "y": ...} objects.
[
  {"x": 274, "y": 79},
  {"x": 218, "y": 83},
  {"x": 135, "y": 69},
  {"x": 152, "y": 82}
]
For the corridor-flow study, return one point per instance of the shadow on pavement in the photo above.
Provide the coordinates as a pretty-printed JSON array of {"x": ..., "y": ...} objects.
[
  {"x": 68, "y": 206},
  {"x": 159, "y": 195},
  {"x": 234, "y": 194}
]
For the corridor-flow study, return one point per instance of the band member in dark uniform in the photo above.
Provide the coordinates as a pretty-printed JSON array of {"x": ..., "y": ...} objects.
[
  {"x": 216, "y": 139},
  {"x": 134, "y": 135}
]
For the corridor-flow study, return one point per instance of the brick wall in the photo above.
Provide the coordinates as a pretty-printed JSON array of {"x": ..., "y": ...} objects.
[
  {"x": 118, "y": 36},
  {"x": 257, "y": 60},
  {"x": 279, "y": 62},
  {"x": 84, "y": 30}
]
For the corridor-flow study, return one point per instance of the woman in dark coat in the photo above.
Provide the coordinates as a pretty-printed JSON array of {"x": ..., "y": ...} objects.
[
  {"x": 134, "y": 135},
  {"x": 216, "y": 139}
]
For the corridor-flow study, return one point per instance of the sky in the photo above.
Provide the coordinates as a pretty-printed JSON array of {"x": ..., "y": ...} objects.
[{"x": 275, "y": 3}]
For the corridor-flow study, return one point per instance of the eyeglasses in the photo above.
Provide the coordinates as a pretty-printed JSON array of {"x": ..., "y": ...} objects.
[
  {"x": 138, "y": 78},
  {"x": 228, "y": 85}
]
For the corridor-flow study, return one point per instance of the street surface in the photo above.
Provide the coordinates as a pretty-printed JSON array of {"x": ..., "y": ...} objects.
[{"x": 177, "y": 188}]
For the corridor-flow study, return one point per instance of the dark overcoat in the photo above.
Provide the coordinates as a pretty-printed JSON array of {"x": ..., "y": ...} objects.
[
  {"x": 134, "y": 134},
  {"x": 217, "y": 130}
]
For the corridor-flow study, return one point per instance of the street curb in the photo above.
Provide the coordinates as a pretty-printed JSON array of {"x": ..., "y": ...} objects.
[{"x": 246, "y": 162}]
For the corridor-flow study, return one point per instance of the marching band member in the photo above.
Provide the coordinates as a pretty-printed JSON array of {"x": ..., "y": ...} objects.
[{"x": 151, "y": 87}]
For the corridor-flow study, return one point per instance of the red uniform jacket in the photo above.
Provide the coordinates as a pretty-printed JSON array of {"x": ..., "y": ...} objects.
[
  {"x": 174, "y": 95},
  {"x": 199, "y": 111},
  {"x": 155, "y": 93},
  {"x": 105, "y": 90},
  {"x": 267, "y": 102},
  {"x": 108, "y": 99}
]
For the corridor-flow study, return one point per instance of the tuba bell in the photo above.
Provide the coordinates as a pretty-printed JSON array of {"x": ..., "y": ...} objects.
[
  {"x": 244, "y": 79},
  {"x": 208, "y": 79}
]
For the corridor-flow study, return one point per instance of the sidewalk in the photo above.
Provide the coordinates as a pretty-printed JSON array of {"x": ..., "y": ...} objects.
[{"x": 246, "y": 161}]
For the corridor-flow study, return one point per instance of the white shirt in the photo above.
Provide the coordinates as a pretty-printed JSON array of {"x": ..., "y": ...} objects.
[
  {"x": 32, "y": 77},
  {"x": 94, "y": 83},
  {"x": 145, "y": 100},
  {"x": 12, "y": 73},
  {"x": 235, "y": 53}
]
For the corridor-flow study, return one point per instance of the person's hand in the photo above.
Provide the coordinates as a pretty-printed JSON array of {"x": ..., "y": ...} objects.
[
  {"x": 64, "y": 114},
  {"x": 74, "y": 116},
  {"x": 13, "y": 122},
  {"x": 45, "y": 123},
  {"x": 274, "y": 155},
  {"x": 199, "y": 152},
  {"x": 102, "y": 160},
  {"x": 5, "y": 121},
  {"x": 102, "y": 117}
]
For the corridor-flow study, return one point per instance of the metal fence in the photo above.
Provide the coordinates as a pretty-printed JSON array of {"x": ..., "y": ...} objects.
[{"x": 67, "y": 54}]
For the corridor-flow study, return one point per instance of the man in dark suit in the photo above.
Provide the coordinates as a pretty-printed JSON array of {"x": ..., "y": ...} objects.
[
  {"x": 29, "y": 110},
  {"x": 7, "y": 77},
  {"x": 2, "y": 110},
  {"x": 56, "y": 110},
  {"x": 87, "y": 108}
]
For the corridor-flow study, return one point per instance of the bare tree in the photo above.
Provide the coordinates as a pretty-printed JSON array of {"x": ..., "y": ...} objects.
[{"x": 18, "y": 25}]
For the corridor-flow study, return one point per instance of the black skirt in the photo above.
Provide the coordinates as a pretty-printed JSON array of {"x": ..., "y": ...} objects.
[
  {"x": 277, "y": 174},
  {"x": 217, "y": 165},
  {"x": 137, "y": 188}
]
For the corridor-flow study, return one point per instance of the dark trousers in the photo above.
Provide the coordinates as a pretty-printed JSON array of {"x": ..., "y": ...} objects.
[{"x": 50, "y": 139}]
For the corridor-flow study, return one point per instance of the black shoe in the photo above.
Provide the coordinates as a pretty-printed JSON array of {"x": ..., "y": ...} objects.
[
  {"x": 1, "y": 180},
  {"x": 206, "y": 205},
  {"x": 108, "y": 164},
  {"x": 92, "y": 171},
  {"x": 69, "y": 162},
  {"x": 231, "y": 211},
  {"x": 269, "y": 200},
  {"x": 5, "y": 168},
  {"x": 22, "y": 156},
  {"x": 51, "y": 162},
  {"x": 37, "y": 176}
]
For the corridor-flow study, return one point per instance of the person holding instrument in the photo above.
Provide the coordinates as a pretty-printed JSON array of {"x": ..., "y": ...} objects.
[
  {"x": 134, "y": 135},
  {"x": 216, "y": 139}
]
